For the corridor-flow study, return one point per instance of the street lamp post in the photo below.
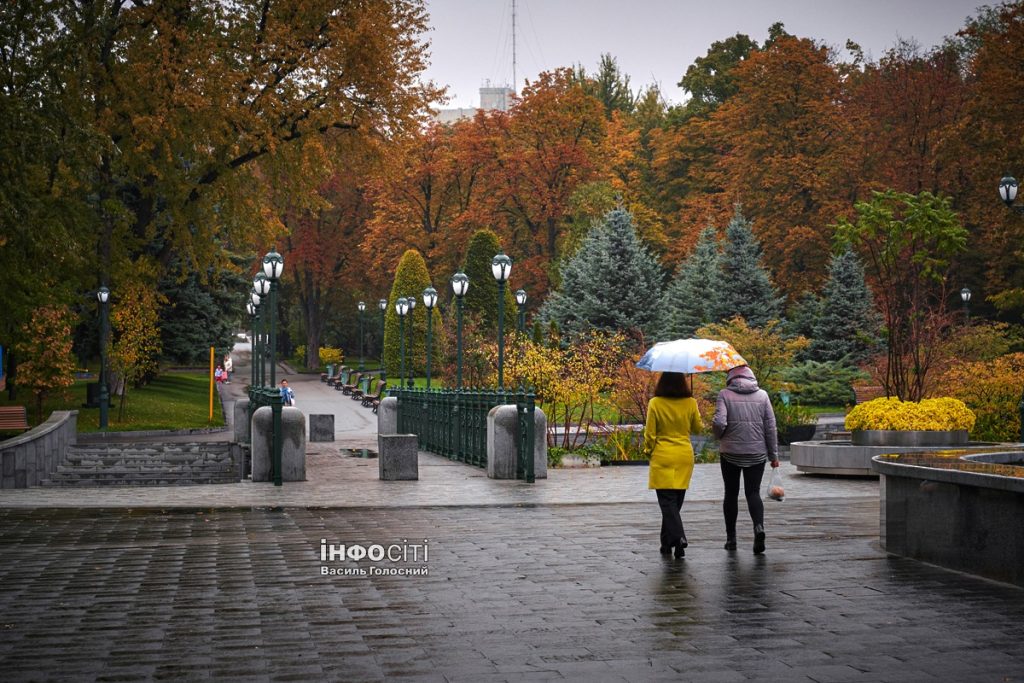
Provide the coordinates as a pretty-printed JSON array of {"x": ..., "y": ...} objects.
[
  {"x": 521, "y": 302},
  {"x": 273, "y": 265},
  {"x": 382, "y": 304},
  {"x": 501, "y": 268},
  {"x": 251, "y": 310},
  {"x": 401, "y": 308},
  {"x": 460, "y": 285},
  {"x": 965, "y": 296},
  {"x": 362, "y": 307},
  {"x": 1008, "y": 193},
  {"x": 429, "y": 300},
  {"x": 103, "y": 296},
  {"x": 410, "y": 301},
  {"x": 257, "y": 342}
]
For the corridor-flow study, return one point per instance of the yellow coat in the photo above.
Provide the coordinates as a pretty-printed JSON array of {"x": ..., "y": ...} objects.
[{"x": 670, "y": 421}]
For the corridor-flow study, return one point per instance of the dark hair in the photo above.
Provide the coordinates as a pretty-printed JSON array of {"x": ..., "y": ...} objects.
[{"x": 672, "y": 385}]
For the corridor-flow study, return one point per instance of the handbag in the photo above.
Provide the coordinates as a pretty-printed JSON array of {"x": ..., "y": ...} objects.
[{"x": 775, "y": 491}]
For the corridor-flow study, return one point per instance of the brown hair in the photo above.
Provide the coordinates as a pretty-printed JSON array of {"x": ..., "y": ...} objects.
[{"x": 672, "y": 385}]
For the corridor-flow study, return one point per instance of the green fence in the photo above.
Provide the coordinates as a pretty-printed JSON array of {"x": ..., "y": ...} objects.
[{"x": 454, "y": 423}]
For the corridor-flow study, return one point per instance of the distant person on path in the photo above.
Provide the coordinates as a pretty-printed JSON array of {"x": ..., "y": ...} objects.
[
  {"x": 229, "y": 367},
  {"x": 745, "y": 426},
  {"x": 672, "y": 417},
  {"x": 287, "y": 395},
  {"x": 218, "y": 375}
]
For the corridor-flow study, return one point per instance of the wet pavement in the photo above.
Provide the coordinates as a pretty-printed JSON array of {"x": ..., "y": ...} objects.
[{"x": 561, "y": 580}]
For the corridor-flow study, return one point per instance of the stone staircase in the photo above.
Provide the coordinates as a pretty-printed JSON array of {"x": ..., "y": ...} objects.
[{"x": 147, "y": 464}]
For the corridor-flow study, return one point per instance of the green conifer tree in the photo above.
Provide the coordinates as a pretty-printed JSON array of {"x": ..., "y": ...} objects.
[
  {"x": 690, "y": 299},
  {"x": 848, "y": 322},
  {"x": 612, "y": 283},
  {"x": 411, "y": 278},
  {"x": 482, "y": 296},
  {"x": 745, "y": 289}
]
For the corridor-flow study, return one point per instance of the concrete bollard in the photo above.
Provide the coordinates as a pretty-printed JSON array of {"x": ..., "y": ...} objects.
[
  {"x": 398, "y": 459},
  {"x": 503, "y": 443},
  {"x": 293, "y": 444},
  {"x": 387, "y": 416},
  {"x": 321, "y": 428},
  {"x": 240, "y": 415}
]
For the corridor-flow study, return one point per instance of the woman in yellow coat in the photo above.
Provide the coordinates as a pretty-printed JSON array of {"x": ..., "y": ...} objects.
[{"x": 671, "y": 417}]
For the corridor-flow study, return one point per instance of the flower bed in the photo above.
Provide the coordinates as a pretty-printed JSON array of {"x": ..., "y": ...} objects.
[{"x": 930, "y": 415}]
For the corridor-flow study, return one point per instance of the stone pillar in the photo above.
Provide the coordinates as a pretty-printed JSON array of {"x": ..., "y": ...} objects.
[
  {"x": 293, "y": 444},
  {"x": 503, "y": 443},
  {"x": 240, "y": 421},
  {"x": 398, "y": 459},
  {"x": 387, "y": 416}
]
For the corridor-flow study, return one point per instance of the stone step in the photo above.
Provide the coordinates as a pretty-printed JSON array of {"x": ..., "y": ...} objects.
[
  {"x": 156, "y": 481},
  {"x": 124, "y": 471},
  {"x": 135, "y": 460}
]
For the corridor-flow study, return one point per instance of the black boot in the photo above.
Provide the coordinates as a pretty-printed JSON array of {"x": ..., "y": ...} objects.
[
  {"x": 758, "y": 539},
  {"x": 679, "y": 550},
  {"x": 730, "y": 543}
]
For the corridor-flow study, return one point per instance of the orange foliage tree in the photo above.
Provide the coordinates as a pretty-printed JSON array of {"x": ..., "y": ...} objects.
[{"x": 47, "y": 364}]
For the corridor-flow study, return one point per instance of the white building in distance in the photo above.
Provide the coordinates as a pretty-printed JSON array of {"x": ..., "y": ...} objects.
[{"x": 491, "y": 99}]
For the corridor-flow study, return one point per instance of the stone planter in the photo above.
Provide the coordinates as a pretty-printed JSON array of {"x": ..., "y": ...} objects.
[{"x": 908, "y": 439}]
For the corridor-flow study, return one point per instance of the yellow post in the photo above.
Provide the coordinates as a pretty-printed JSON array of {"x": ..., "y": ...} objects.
[{"x": 211, "y": 384}]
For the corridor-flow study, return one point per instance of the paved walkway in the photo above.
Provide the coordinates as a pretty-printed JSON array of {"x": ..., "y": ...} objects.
[{"x": 560, "y": 580}]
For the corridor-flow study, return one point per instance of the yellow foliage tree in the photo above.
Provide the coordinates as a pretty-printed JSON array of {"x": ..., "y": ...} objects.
[
  {"x": 135, "y": 355},
  {"x": 765, "y": 349}
]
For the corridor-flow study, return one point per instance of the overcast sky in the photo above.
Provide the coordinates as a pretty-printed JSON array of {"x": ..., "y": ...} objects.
[{"x": 654, "y": 41}]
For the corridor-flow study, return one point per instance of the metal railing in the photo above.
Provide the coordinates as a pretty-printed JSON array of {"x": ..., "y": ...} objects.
[{"x": 453, "y": 423}]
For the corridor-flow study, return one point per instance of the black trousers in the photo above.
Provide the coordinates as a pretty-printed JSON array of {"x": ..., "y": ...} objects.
[
  {"x": 671, "y": 503},
  {"x": 751, "y": 490}
]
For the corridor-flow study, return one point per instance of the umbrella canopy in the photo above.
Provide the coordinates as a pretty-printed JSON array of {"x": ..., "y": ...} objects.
[{"x": 691, "y": 356}]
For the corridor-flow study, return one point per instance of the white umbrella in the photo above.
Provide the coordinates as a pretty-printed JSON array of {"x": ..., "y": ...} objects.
[{"x": 691, "y": 356}]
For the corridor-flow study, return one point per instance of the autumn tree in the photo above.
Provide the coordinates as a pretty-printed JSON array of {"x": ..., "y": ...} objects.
[
  {"x": 608, "y": 85},
  {"x": 411, "y": 278},
  {"x": 135, "y": 351},
  {"x": 907, "y": 242},
  {"x": 47, "y": 364}
]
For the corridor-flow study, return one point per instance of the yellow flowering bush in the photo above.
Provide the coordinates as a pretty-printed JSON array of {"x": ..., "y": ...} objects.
[{"x": 931, "y": 414}]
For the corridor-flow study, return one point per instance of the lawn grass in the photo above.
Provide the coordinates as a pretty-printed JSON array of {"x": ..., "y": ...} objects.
[{"x": 175, "y": 400}]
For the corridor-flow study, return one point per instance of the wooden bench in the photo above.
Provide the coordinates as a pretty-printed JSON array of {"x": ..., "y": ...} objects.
[
  {"x": 375, "y": 402},
  {"x": 367, "y": 398},
  {"x": 353, "y": 383},
  {"x": 339, "y": 377},
  {"x": 13, "y": 418}
]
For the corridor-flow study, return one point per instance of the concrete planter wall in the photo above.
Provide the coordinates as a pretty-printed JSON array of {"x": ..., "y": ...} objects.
[
  {"x": 28, "y": 459},
  {"x": 908, "y": 439},
  {"x": 963, "y": 520}
]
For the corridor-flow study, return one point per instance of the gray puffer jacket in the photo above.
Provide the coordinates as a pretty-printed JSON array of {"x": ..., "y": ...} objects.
[{"x": 744, "y": 420}]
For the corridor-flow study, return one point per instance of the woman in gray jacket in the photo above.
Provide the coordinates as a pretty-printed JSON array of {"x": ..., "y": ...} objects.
[{"x": 745, "y": 426}]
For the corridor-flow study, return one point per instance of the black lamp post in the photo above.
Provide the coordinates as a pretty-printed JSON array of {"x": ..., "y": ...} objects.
[
  {"x": 382, "y": 304},
  {"x": 521, "y": 302},
  {"x": 410, "y": 301},
  {"x": 261, "y": 286},
  {"x": 273, "y": 265},
  {"x": 402, "y": 308},
  {"x": 501, "y": 268},
  {"x": 965, "y": 296},
  {"x": 460, "y": 285},
  {"x": 251, "y": 310},
  {"x": 362, "y": 307},
  {"x": 257, "y": 341},
  {"x": 1008, "y": 193},
  {"x": 429, "y": 301},
  {"x": 103, "y": 296}
]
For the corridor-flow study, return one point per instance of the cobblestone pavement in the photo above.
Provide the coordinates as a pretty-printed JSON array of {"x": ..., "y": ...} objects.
[{"x": 517, "y": 593}]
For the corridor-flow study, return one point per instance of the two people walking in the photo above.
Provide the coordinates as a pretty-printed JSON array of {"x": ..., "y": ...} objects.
[{"x": 744, "y": 424}]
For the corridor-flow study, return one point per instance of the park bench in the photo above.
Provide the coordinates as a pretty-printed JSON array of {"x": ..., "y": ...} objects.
[
  {"x": 352, "y": 384},
  {"x": 372, "y": 400},
  {"x": 13, "y": 418},
  {"x": 375, "y": 402},
  {"x": 339, "y": 376},
  {"x": 358, "y": 391}
]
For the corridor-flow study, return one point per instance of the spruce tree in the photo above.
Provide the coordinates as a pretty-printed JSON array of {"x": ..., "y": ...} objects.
[
  {"x": 745, "y": 289},
  {"x": 690, "y": 299},
  {"x": 612, "y": 283},
  {"x": 848, "y": 322}
]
